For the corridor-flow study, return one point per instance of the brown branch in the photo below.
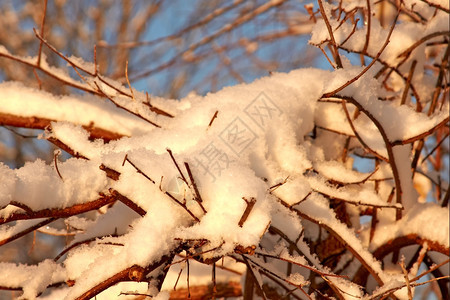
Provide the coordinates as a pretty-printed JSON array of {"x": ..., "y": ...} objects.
[
  {"x": 366, "y": 265},
  {"x": 38, "y": 79},
  {"x": 38, "y": 63},
  {"x": 406, "y": 276},
  {"x": 110, "y": 173},
  {"x": 64, "y": 147},
  {"x": 396, "y": 244},
  {"x": 213, "y": 118},
  {"x": 97, "y": 92},
  {"x": 326, "y": 56},
  {"x": 201, "y": 292},
  {"x": 270, "y": 274},
  {"x": 438, "y": 144},
  {"x": 253, "y": 276},
  {"x": 43, "y": 123},
  {"x": 351, "y": 33},
  {"x": 250, "y": 203},
  {"x": 49, "y": 73},
  {"x": 55, "y": 158},
  {"x": 388, "y": 145},
  {"x": 137, "y": 169},
  {"x": 358, "y": 203},
  {"x": 73, "y": 246},
  {"x": 59, "y": 212},
  {"x": 408, "y": 51},
  {"x": 422, "y": 135},
  {"x": 128, "y": 81},
  {"x": 124, "y": 108},
  {"x": 312, "y": 269},
  {"x": 443, "y": 72},
  {"x": 26, "y": 231},
  {"x": 430, "y": 3},
  {"x": 176, "y": 165},
  {"x": 183, "y": 206},
  {"x": 335, "y": 51},
  {"x": 366, "y": 147},
  {"x": 125, "y": 200},
  {"x": 133, "y": 273},
  {"x": 369, "y": 21},
  {"x": 198, "y": 197},
  {"x": 329, "y": 94},
  {"x": 408, "y": 82}
]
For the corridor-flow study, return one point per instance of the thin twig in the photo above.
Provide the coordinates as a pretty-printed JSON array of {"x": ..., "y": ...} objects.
[
  {"x": 137, "y": 169},
  {"x": 408, "y": 82},
  {"x": 128, "y": 81},
  {"x": 182, "y": 205},
  {"x": 55, "y": 158},
  {"x": 352, "y": 126},
  {"x": 123, "y": 107},
  {"x": 176, "y": 165},
  {"x": 329, "y": 94},
  {"x": 335, "y": 51},
  {"x": 198, "y": 196},
  {"x": 406, "y": 276},
  {"x": 369, "y": 22},
  {"x": 250, "y": 203},
  {"x": 38, "y": 63},
  {"x": 128, "y": 202},
  {"x": 26, "y": 231},
  {"x": 213, "y": 118}
]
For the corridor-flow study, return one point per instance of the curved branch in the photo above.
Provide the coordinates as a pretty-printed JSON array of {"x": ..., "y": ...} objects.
[
  {"x": 26, "y": 231},
  {"x": 332, "y": 93},
  {"x": 422, "y": 135},
  {"x": 335, "y": 234},
  {"x": 43, "y": 123},
  {"x": 133, "y": 273},
  {"x": 60, "y": 213},
  {"x": 388, "y": 144},
  {"x": 394, "y": 245}
]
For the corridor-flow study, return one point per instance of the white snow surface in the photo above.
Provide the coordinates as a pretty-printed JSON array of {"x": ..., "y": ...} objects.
[
  {"x": 259, "y": 139},
  {"x": 258, "y": 148}
]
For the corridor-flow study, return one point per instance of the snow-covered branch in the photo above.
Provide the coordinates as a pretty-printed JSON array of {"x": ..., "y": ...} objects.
[{"x": 287, "y": 183}]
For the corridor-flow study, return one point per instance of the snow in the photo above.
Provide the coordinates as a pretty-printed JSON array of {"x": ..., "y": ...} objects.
[
  {"x": 417, "y": 221},
  {"x": 45, "y": 273},
  {"x": 9, "y": 231},
  {"x": 227, "y": 167},
  {"x": 273, "y": 133},
  {"x": 83, "y": 110},
  {"x": 38, "y": 186}
]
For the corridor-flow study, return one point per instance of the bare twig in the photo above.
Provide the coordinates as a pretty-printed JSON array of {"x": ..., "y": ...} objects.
[
  {"x": 335, "y": 51},
  {"x": 38, "y": 63},
  {"x": 329, "y": 94},
  {"x": 213, "y": 118},
  {"x": 55, "y": 158},
  {"x": 176, "y": 165},
  {"x": 198, "y": 196},
  {"x": 125, "y": 200},
  {"x": 59, "y": 212},
  {"x": 183, "y": 206},
  {"x": 128, "y": 81},
  {"x": 137, "y": 169},
  {"x": 250, "y": 203}
]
